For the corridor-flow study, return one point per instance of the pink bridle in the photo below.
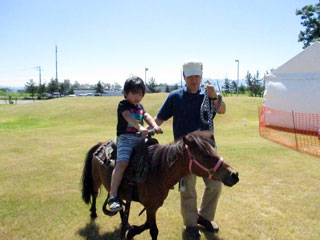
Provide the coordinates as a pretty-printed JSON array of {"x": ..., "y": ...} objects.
[{"x": 210, "y": 172}]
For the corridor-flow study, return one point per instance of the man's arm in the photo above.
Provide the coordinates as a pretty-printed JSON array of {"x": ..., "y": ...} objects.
[
  {"x": 158, "y": 121},
  {"x": 222, "y": 109},
  {"x": 151, "y": 122}
]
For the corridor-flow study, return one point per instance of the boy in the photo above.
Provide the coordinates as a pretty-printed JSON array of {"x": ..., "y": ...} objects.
[{"x": 130, "y": 120}]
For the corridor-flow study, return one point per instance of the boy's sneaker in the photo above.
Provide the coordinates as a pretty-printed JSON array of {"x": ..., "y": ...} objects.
[{"x": 114, "y": 204}]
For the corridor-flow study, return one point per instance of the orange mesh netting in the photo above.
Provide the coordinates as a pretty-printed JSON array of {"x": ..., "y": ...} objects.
[{"x": 300, "y": 131}]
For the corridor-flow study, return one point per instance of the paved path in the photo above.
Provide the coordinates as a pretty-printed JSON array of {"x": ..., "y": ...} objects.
[{"x": 19, "y": 101}]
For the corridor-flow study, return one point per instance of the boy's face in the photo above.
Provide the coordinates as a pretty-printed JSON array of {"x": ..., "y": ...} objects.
[{"x": 134, "y": 97}]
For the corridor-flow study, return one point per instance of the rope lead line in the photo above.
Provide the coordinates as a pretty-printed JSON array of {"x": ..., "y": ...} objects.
[{"x": 207, "y": 109}]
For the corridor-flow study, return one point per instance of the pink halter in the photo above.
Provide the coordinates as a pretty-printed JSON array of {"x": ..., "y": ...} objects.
[{"x": 210, "y": 172}]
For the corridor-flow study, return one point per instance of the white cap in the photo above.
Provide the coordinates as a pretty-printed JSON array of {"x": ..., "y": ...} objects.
[{"x": 192, "y": 67}]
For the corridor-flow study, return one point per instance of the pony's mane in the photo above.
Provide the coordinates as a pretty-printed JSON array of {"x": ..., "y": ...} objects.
[
  {"x": 201, "y": 142},
  {"x": 162, "y": 156}
]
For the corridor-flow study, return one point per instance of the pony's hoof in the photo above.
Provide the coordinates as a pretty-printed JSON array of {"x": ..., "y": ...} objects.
[
  {"x": 93, "y": 216},
  {"x": 130, "y": 235}
]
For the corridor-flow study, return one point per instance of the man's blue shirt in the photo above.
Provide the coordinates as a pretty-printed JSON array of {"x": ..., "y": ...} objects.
[{"x": 184, "y": 107}]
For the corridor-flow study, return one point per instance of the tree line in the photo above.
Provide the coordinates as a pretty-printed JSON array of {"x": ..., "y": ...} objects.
[
  {"x": 65, "y": 87},
  {"x": 254, "y": 87}
]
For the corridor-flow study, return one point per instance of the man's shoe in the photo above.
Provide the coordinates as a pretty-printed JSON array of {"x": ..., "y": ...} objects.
[
  {"x": 193, "y": 232},
  {"x": 209, "y": 226}
]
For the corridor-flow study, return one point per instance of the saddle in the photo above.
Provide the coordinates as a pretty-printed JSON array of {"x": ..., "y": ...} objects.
[{"x": 106, "y": 155}]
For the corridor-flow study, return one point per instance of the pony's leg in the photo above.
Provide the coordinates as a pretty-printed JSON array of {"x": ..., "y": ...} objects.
[
  {"x": 151, "y": 219},
  {"x": 93, "y": 209},
  {"x": 134, "y": 230}
]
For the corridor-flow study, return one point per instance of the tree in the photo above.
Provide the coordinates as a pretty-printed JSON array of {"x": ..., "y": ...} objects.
[
  {"x": 310, "y": 15},
  {"x": 71, "y": 91},
  {"x": 116, "y": 87},
  {"x": 234, "y": 86},
  {"x": 242, "y": 89},
  {"x": 226, "y": 86},
  {"x": 255, "y": 85},
  {"x": 152, "y": 85},
  {"x": 31, "y": 87},
  {"x": 107, "y": 86},
  {"x": 248, "y": 79},
  {"x": 41, "y": 91},
  {"x": 67, "y": 86},
  {"x": 167, "y": 89},
  {"x": 53, "y": 86},
  {"x": 62, "y": 89},
  {"x": 99, "y": 88},
  {"x": 174, "y": 87},
  {"x": 76, "y": 85}
]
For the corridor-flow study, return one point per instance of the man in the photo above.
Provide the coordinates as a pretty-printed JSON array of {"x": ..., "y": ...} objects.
[{"x": 184, "y": 106}]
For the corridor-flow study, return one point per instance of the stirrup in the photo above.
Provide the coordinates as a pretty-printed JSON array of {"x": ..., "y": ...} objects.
[
  {"x": 107, "y": 211},
  {"x": 114, "y": 201}
]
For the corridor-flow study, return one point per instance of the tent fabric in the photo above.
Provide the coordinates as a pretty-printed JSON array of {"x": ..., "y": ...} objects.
[
  {"x": 308, "y": 61},
  {"x": 294, "y": 86}
]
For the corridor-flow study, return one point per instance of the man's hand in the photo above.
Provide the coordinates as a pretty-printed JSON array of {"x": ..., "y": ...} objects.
[
  {"x": 157, "y": 129},
  {"x": 211, "y": 92}
]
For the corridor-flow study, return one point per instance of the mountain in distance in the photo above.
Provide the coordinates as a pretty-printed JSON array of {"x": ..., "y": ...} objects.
[
  {"x": 12, "y": 89},
  {"x": 218, "y": 83}
]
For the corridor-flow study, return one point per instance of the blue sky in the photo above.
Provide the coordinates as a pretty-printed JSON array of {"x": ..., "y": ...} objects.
[{"x": 110, "y": 40}]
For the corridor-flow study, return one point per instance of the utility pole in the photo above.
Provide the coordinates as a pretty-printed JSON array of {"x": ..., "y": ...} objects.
[
  {"x": 56, "y": 63},
  {"x": 39, "y": 89},
  {"x": 237, "y": 77},
  {"x": 39, "y": 69},
  {"x": 145, "y": 75}
]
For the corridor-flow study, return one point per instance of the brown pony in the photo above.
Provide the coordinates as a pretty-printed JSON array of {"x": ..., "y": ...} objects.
[{"x": 169, "y": 163}]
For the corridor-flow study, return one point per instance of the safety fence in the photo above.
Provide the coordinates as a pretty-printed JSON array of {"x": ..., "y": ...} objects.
[{"x": 300, "y": 131}]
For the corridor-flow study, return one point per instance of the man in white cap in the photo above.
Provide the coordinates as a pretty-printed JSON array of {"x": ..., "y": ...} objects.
[{"x": 184, "y": 106}]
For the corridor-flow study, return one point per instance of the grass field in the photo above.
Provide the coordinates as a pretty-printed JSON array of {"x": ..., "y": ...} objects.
[{"x": 42, "y": 149}]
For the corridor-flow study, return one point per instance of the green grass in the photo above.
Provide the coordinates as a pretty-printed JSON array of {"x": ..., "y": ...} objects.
[{"x": 43, "y": 145}]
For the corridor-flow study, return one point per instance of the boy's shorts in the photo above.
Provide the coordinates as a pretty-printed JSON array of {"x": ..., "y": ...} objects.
[{"x": 125, "y": 145}]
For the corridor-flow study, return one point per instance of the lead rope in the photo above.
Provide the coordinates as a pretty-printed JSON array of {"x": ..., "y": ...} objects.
[{"x": 207, "y": 108}]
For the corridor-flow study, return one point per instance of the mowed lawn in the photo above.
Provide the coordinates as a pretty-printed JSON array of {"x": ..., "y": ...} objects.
[{"x": 43, "y": 146}]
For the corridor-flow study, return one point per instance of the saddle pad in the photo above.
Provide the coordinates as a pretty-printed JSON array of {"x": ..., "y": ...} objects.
[{"x": 106, "y": 152}]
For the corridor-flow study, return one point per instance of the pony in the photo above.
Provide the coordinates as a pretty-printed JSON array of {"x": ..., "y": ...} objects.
[{"x": 193, "y": 153}]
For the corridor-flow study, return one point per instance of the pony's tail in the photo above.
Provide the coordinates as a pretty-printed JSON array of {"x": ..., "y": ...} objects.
[{"x": 87, "y": 180}]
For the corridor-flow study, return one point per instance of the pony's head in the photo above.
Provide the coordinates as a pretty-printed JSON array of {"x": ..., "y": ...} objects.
[{"x": 204, "y": 161}]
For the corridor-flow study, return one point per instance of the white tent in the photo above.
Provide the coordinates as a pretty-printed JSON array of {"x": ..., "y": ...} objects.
[{"x": 294, "y": 86}]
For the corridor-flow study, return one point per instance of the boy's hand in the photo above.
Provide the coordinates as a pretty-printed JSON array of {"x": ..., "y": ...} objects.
[
  {"x": 143, "y": 131},
  {"x": 158, "y": 129}
]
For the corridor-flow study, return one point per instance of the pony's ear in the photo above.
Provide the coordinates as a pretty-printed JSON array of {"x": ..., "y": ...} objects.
[{"x": 186, "y": 141}]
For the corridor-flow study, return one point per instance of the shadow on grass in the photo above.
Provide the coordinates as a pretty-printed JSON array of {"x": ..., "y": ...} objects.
[
  {"x": 208, "y": 235},
  {"x": 92, "y": 232}
]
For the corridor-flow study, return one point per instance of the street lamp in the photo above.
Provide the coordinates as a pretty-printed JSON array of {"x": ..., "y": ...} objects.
[
  {"x": 145, "y": 75},
  {"x": 237, "y": 77}
]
